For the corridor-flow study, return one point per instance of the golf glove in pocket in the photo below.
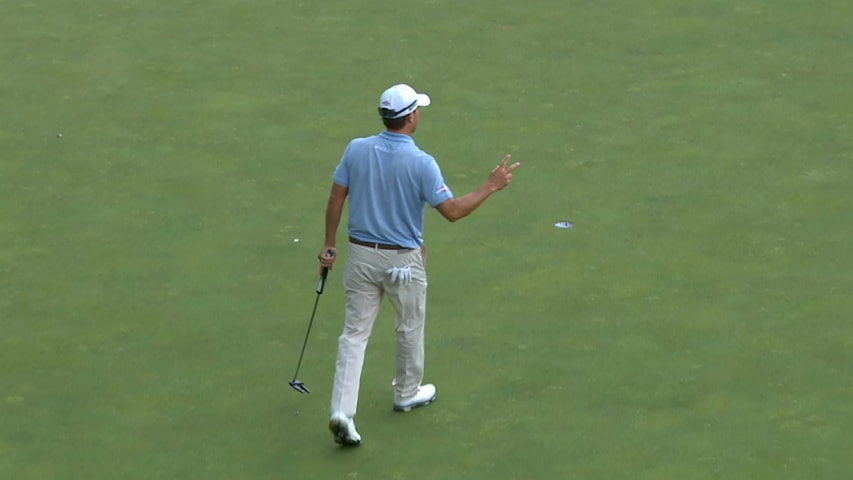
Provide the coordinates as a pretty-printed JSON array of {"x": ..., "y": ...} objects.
[{"x": 400, "y": 275}]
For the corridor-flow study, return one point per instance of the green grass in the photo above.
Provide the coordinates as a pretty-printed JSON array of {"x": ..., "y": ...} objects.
[{"x": 693, "y": 325}]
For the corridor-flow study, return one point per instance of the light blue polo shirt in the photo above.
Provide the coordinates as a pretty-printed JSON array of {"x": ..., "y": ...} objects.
[{"x": 390, "y": 182}]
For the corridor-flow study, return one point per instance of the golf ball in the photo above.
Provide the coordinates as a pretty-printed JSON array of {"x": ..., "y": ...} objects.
[{"x": 295, "y": 240}]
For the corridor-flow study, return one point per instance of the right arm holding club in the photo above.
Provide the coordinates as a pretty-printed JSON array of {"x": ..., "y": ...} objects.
[
  {"x": 334, "y": 210},
  {"x": 456, "y": 208}
]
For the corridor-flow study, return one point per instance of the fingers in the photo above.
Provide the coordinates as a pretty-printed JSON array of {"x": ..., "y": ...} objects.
[
  {"x": 503, "y": 163},
  {"x": 502, "y": 166},
  {"x": 501, "y": 175},
  {"x": 505, "y": 160}
]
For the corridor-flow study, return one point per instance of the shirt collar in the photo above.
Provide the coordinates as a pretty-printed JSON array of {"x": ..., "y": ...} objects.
[{"x": 397, "y": 137}]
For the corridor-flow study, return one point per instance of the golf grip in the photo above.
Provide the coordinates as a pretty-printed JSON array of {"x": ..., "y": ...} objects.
[
  {"x": 324, "y": 273},
  {"x": 322, "y": 283}
]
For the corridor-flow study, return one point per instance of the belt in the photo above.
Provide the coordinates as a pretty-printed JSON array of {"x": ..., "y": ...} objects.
[{"x": 380, "y": 246}]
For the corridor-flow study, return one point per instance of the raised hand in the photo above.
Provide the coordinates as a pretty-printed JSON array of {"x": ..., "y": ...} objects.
[{"x": 502, "y": 175}]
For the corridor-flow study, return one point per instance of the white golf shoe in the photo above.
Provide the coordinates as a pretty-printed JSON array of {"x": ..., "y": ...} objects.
[
  {"x": 424, "y": 396},
  {"x": 343, "y": 428}
]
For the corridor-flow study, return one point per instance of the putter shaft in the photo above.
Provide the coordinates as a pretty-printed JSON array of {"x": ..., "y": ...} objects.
[{"x": 297, "y": 384}]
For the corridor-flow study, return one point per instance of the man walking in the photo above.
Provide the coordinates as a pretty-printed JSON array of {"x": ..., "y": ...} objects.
[{"x": 389, "y": 181}]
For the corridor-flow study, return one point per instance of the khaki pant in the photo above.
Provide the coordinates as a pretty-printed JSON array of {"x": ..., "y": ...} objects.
[{"x": 366, "y": 284}]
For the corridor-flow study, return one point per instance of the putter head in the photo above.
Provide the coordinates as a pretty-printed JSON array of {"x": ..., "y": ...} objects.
[{"x": 298, "y": 386}]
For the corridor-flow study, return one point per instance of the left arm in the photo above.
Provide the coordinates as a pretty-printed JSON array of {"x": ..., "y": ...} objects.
[{"x": 334, "y": 211}]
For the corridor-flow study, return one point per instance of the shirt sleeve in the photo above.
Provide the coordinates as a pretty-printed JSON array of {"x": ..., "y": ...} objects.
[
  {"x": 341, "y": 176},
  {"x": 435, "y": 189}
]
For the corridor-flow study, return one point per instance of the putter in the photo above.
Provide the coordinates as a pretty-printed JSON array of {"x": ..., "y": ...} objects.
[{"x": 298, "y": 385}]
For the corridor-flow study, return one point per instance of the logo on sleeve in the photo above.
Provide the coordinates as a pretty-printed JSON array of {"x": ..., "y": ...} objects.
[{"x": 442, "y": 189}]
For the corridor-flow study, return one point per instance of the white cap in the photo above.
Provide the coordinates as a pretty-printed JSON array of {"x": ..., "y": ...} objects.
[{"x": 401, "y": 100}]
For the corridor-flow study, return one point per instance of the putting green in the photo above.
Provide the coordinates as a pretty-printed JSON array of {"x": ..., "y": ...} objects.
[{"x": 158, "y": 160}]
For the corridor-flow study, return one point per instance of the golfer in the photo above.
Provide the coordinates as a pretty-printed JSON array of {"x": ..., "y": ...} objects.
[{"x": 389, "y": 182}]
